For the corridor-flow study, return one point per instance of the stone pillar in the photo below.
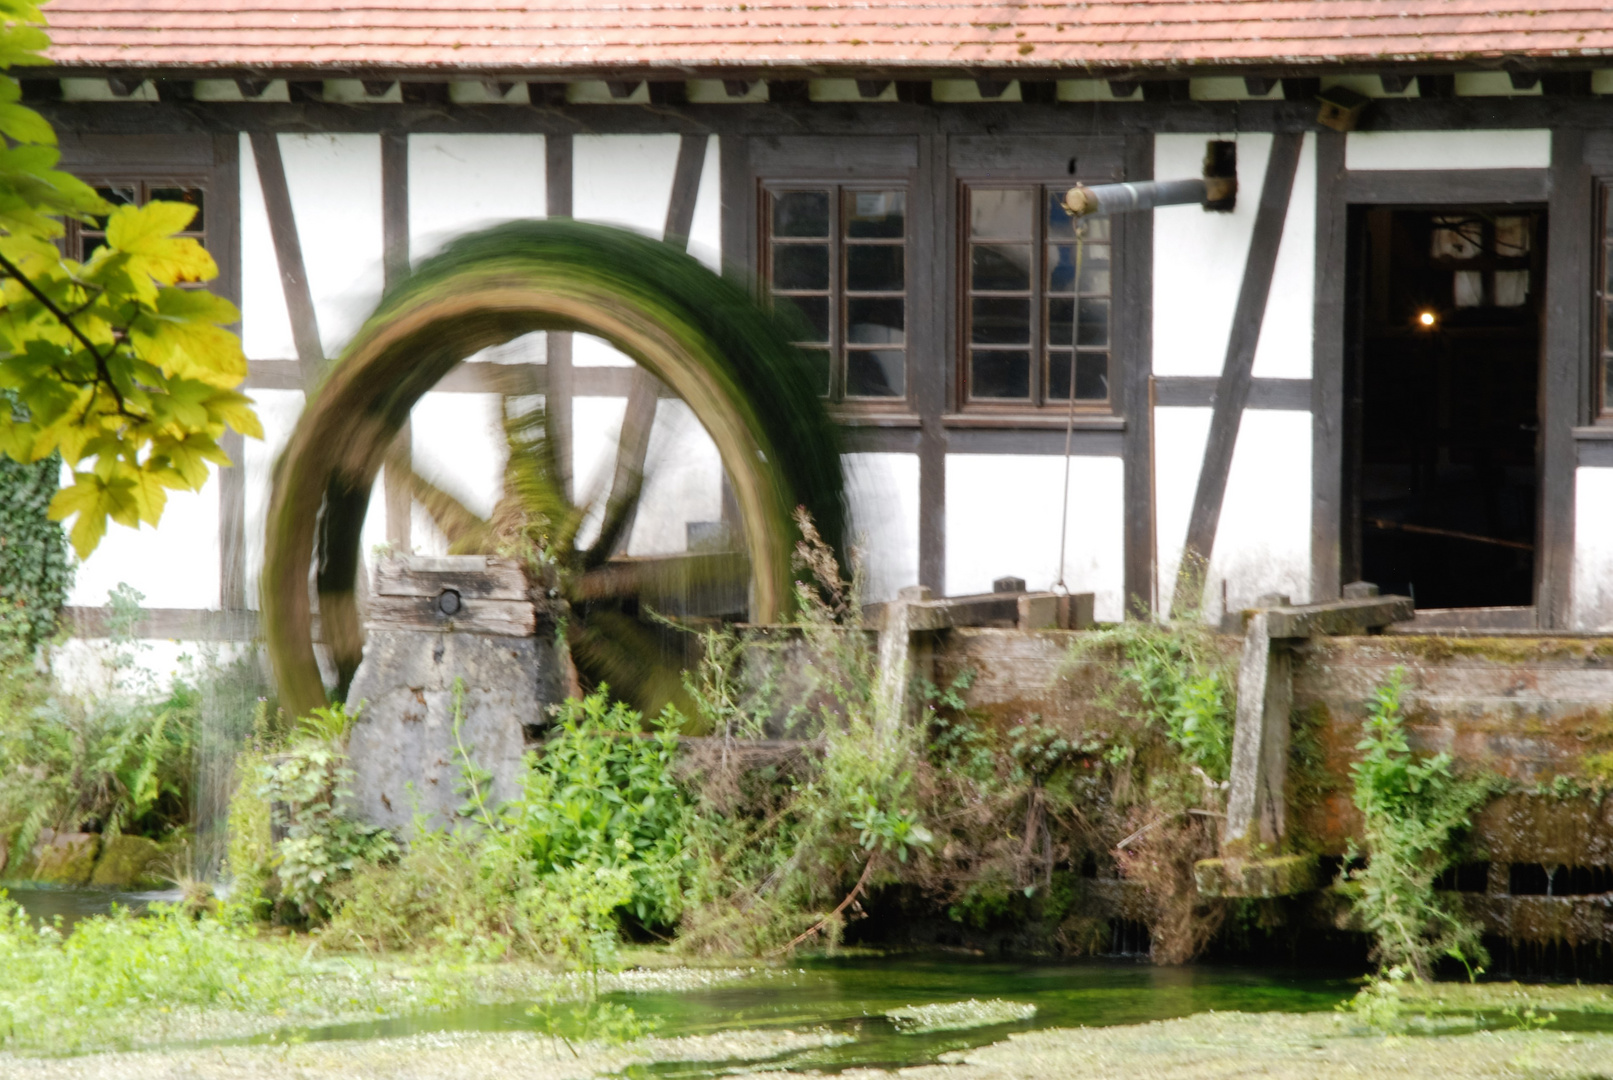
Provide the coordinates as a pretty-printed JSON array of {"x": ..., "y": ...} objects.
[
  {"x": 434, "y": 622},
  {"x": 1256, "y": 804}
]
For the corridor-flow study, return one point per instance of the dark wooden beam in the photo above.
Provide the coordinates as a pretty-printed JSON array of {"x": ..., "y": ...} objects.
[
  {"x": 1566, "y": 393},
  {"x": 1134, "y": 357},
  {"x": 377, "y": 87},
  {"x": 1038, "y": 91},
  {"x": 685, "y": 189},
  {"x": 1395, "y": 84},
  {"x": 557, "y": 400},
  {"x": 737, "y": 88},
  {"x": 1233, "y": 391},
  {"x": 1200, "y": 390},
  {"x": 992, "y": 88},
  {"x": 288, "y": 253},
  {"x": 1122, "y": 88},
  {"x": 424, "y": 93},
  {"x": 395, "y": 266},
  {"x": 1258, "y": 85},
  {"x": 1299, "y": 89},
  {"x": 1436, "y": 86},
  {"x": 251, "y": 88},
  {"x": 546, "y": 94},
  {"x": 871, "y": 88},
  {"x": 1327, "y": 369},
  {"x": 1448, "y": 186},
  {"x": 1167, "y": 90},
  {"x": 224, "y": 244},
  {"x": 668, "y": 92},
  {"x": 914, "y": 91},
  {"x": 1524, "y": 80},
  {"x": 768, "y": 119},
  {"x": 621, "y": 89},
  {"x": 929, "y": 361},
  {"x": 124, "y": 86}
]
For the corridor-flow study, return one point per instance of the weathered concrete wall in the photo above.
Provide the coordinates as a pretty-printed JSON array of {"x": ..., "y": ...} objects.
[
  {"x": 403, "y": 747},
  {"x": 1528, "y": 709}
]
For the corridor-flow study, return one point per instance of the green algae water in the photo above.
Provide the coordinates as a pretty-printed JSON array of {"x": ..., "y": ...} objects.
[{"x": 851, "y": 998}]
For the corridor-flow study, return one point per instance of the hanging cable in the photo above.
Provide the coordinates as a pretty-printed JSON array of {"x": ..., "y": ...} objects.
[{"x": 1069, "y": 419}]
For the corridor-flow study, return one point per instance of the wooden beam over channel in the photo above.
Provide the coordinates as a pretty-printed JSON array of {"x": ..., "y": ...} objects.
[{"x": 1232, "y": 392}]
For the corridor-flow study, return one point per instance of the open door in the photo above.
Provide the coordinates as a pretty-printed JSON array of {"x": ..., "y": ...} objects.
[{"x": 1444, "y": 425}]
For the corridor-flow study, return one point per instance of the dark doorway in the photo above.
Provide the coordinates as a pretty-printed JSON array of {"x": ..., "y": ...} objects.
[{"x": 1444, "y": 403}]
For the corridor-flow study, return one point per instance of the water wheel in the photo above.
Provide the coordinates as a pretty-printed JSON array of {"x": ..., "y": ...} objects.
[{"x": 704, "y": 338}]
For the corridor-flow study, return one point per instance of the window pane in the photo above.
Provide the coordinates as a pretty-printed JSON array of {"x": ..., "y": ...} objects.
[
  {"x": 875, "y": 373},
  {"x": 1058, "y": 374},
  {"x": 813, "y": 311},
  {"x": 1095, "y": 270},
  {"x": 800, "y": 266},
  {"x": 875, "y": 214},
  {"x": 184, "y": 195},
  {"x": 1097, "y": 230},
  {"x": 92, "y": 243},
  {"x": 1511, "y": 288},
  {"x": 874, "y": 268},
  {"x": 120, "y": 196},
  {"x": 801, "y": 213},
  {"x": 998, "y": 373},
  {"x": 1094, "y": 328},
  {"x": 1001, "y": 214},
  {"x": 818, "y": 365},
  {"x": 1060, "y": 225},
  {"x": 1092, "y": 376},
  {"x": 1061, "y": 322},
  {"x": 1511, "y": 236},
  {"x": 1000, "y": 321},
  {"x": 1000, "y": 267},
  {"x": 874, "y": 320}
]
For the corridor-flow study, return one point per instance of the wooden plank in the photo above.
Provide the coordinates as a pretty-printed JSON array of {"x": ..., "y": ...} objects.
[
  {"x": 685, "y": 189},
  {"x": 505, "y": 618},
  {"x": 1595, "y": 449},
  {"x": 395, "y": 267},
  {"x": 477, "y": 377},
  {"x": 175, "y": 624},
  {"x": 929, "y": 357},
  {"x": 288, "y": 253},
  {"x": 1448, "y": 186},
  {"x": 224, "y": 244},
  {"x": 1134, "y": 360},
  {"x": 1470, "y": 619},
  {"x": 480, "y": 577},
  {"x": 843, "y": 157},
  {"x": 1338, "y": 617},
  {"x": 141, "y": 157},
  {"x": 1233, "y": 391},
  {"x": 1566, "y": 393},
  {"x": 1327, "y": 366},
  {"x": 557, "y": 401},
  {"x": 1178, "y": 391},
  {"x": 1043, "y": 441}
]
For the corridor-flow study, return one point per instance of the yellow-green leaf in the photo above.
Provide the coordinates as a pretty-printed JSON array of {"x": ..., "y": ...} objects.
[{"x": 145, "y": 235}]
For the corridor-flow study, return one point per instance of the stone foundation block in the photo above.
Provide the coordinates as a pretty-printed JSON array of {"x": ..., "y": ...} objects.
[{"x": 1285, "y": 875}]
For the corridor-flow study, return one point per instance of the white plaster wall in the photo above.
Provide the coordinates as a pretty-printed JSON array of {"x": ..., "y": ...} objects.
[
  {"x": 682, "y": 482},
  {"x": 882, "y": 493},
  {"x": 705, "y": 229},
  {"x": 1371, "y": 150},
  {"x": 335, "y": 183},
  {"x": 462, "y": 183},
  {"x": 1286, "y": 333},
  {"x": 596, "y": 429},
  {"x": 458, "y": 444},
  {"x": 176, "y": 566},
  {"x": 1263, "y": 544},
  {"x": 623, "y": 180},
  {"x": 265, "y": 326},
  {"x": 1593, "y": 549},
  {"x": 278, "y": 410},
  {"x": 1179, "y": 438},
  {"x": 1199, "y": 256},
  {"x": 1002, "y": 519}
]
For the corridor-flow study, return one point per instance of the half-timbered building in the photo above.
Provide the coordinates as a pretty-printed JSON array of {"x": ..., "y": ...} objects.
[{"x": 1390, "y": 361}]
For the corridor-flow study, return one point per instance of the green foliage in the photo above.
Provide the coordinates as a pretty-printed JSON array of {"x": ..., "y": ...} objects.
[
  {"x": 111, "y": 363},
  {"x": 57, "y": 992},
  {"x": 601, "y": 793},
  {"x": 34, "y": 570},
  {"x": 1181, "y": 683},
  {"x": 1414, "y": 810},
  {"x": 305, "y": 786}
]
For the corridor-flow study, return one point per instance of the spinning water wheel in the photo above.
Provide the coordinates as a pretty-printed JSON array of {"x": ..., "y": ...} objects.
[{"x": 705, "y": 339}]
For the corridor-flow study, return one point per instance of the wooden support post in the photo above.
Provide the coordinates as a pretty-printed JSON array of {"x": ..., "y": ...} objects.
[
  {"x": 557, "y": 394},
  {"x": 395, "y": 262},
  {"x": 288, "y": 253},
  {"x": 1232, "y": 393},
  {"x": 896, "y": 658},
  {"x": 1256, "y": 808}
]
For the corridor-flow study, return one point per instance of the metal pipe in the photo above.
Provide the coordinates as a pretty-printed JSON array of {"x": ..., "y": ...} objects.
[{"x": 1083, "y": 201}]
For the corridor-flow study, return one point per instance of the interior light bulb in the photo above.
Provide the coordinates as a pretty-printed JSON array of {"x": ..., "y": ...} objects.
[{"x": 1426, "y": 318}]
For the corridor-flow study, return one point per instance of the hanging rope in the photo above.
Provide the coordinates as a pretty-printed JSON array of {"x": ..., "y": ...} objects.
[{"x": 1069, "y": 420}]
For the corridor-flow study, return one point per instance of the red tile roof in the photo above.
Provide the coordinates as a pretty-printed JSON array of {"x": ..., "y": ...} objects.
[{"x": 690, "y": 37}]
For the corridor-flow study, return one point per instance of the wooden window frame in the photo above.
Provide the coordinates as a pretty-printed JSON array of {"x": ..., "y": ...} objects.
[
  {"x": 1040, "y": 299},
  {"x": 1602, "y": 303},
  {"x": 766, "y": 189},
  {"x": 145, "y": 181}
]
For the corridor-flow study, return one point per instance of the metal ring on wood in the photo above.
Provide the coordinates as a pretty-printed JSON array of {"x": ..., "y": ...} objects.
[{"x": 726, "y": 357}]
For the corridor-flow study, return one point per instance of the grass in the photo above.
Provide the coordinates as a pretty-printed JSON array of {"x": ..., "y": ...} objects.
[{"x": 122, "y": 982}]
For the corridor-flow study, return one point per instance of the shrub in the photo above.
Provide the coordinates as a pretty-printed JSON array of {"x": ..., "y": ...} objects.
[
  {"x": 35, "y": 573},
  {"x": 1413, "y": 810}
]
